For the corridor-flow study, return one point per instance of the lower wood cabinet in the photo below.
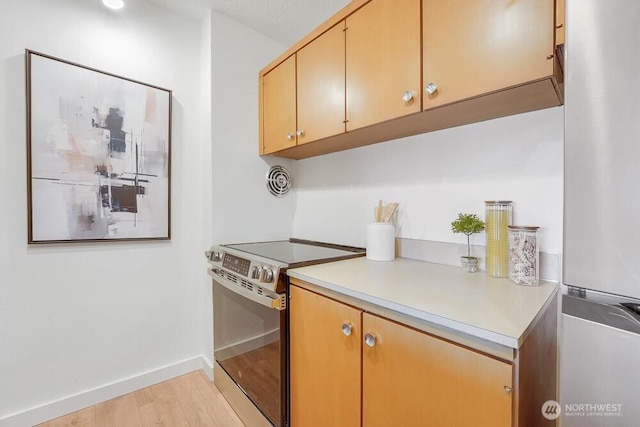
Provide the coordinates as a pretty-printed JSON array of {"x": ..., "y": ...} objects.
[
  {"x": 352, "y": 368},
  {"x": 325, "y": 360},
  {"x": 412, "y": 378}
]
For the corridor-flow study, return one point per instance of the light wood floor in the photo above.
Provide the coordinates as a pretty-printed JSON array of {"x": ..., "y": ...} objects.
[{"x": 189, "y": 400}]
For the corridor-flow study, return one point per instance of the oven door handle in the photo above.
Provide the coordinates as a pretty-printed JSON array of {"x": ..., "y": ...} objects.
[{"x": 278, "y": 303}]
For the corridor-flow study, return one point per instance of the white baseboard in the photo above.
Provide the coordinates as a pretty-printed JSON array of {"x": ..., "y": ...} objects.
[
  {"x": 69, "y": 404},
  {"x": 207, "y": 367}
]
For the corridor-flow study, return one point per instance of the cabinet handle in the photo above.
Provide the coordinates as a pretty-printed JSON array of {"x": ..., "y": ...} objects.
[
  {"x": 431, "y": 88},
  {"x": 407, "y": 96},
  {"x": 347, "y": 328},
  {"x": 370, "y": 340},
  {"x": 299, "y": 132},
  {"x": 507, "y": 389},
  {"x": 289, "y": 136}
]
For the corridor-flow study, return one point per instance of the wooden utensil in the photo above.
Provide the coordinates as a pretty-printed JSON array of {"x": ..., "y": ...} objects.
[
  {"x": 390, "y": 210},
  {"x": 379, "y": 211}
]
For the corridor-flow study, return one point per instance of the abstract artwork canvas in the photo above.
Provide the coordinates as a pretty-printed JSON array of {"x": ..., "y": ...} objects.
[{"x": 99, "y": 154}]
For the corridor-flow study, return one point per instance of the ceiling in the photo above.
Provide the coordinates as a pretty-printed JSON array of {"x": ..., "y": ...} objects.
[{"x": 285, "y": 21}]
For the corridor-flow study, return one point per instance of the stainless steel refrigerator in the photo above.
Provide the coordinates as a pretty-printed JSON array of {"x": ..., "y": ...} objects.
[{"x": 600, "y": 327}]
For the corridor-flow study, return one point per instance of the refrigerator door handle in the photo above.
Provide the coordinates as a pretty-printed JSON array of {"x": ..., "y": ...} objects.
[
  {"x": 603, "y": 309},
  {"x": 633, "y": 308}
]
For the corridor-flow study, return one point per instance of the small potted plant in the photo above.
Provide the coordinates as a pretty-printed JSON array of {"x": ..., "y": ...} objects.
[{"x": 468, "y": 224}]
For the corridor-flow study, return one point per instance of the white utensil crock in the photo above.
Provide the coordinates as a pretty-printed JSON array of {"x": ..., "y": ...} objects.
[{"x": 381, "y": 241}]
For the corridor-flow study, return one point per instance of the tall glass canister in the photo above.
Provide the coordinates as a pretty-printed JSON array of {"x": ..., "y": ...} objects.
[
  {"x": 524, "y": 255},
  {"x": 498, "y": 217}
]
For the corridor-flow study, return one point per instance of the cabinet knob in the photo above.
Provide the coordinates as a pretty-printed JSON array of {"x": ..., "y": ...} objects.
[
  {"x": 507, "y": 389},
  {"x": 407, "y": 96},
  {"x": 289, "y": 136},
  {"x": 299, "y": 132},
  {"x": 370, "y": 340},
  {"x": 431, "y": 88},
  {"x": 347, "y": 328}
]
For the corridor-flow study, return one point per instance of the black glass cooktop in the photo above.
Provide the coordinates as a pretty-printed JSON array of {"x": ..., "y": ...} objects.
[{"x": 298, "y": 253}]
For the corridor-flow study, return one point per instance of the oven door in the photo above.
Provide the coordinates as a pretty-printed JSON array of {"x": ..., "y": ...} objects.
[{"x": 249, "y": 337}]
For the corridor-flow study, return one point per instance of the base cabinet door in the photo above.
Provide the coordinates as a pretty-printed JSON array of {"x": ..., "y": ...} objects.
[
  {"x": 463, "y": 59},
  {"x": 410, "y": 378},
  {"x": 325, "y": 346}
]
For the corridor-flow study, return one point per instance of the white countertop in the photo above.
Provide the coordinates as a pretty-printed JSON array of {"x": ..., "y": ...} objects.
[{"x": 473, "y": 303}]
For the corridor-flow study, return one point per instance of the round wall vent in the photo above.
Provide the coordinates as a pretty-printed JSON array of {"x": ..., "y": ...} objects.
[{"x": 278, "y": 181}]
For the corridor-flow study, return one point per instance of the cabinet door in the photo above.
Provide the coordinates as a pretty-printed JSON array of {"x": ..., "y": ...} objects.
[
  {"x": 411, "y": 378},
  {"x": 560, "y": 14},
  {"x": 320, "y": 74},
  {"x": 383, "y": 61},
  {"x": 279, "y": 107},
  {"x": 325, "y": 362},
  {"x": 475, "y": 47}
]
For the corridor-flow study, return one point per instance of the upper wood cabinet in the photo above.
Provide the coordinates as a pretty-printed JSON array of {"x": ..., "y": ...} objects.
[
  {"x": 383, "y": 62},
  {"x": 279, "y": 107},
  {"x": 325, "y": 361},
  {"x": 320, "y": 85},
  {"x": 476, "y": 47},
  {"x": 303, "y": 98},
  {"x": 385, "y": 69},
  {"x": 409, "y": 377},
  {"x": 560, "y": 18}
]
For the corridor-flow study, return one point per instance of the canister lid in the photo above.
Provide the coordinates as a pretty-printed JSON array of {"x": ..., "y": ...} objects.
[
  {"x": 523, "y": 227},
  {"x": 498, "y": 202}
]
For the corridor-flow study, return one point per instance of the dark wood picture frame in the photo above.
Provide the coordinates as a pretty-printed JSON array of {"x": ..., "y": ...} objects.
[{"x": 98, "y": 154}]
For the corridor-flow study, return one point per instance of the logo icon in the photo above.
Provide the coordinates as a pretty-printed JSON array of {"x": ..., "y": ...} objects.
[{"x": 551, "y": 409}]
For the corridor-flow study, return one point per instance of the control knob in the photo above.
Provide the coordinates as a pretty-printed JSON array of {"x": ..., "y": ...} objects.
[
  {"x": 267, "y": 276},
  {"x": 256, "y": 272}
]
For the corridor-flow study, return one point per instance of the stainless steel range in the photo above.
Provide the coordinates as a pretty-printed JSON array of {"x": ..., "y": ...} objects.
[{"x": 250, "y": 321}]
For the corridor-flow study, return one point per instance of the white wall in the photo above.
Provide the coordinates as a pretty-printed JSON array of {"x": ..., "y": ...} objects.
[
  {"x": 243, "y": 210},
  {"x": 84, "y": 316},
  {"x": 74, "y": 318},
  {"x": 435, "y": 176}
]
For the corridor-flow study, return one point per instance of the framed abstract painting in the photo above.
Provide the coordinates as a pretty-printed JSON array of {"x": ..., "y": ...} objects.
[{"x": 99, "y": 154}]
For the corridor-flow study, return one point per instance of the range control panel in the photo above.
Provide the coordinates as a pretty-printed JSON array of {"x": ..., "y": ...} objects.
[
  {"x": 260, "y": 272},
  {"x": 236, "y": 264}
]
